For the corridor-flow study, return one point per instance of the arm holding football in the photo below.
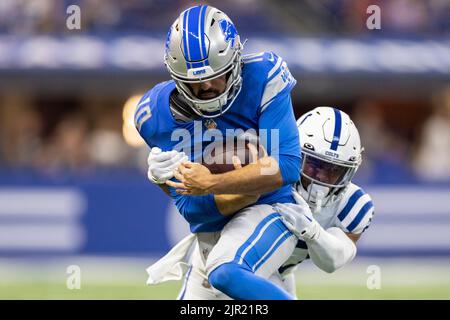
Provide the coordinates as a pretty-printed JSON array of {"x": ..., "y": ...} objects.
[
  {"x": 222, "y": 204},
  {"x": 280, "y": 166}
]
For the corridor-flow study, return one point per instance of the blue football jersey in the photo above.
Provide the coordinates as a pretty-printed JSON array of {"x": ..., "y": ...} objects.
[{"x": 264, "y": 102}]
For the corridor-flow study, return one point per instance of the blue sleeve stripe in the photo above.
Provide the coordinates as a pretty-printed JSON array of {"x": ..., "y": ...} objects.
[
  {"x": 350, "y": 203},
  {"x": 337, "y": 130},
  {"x": 360, "y": 216}
]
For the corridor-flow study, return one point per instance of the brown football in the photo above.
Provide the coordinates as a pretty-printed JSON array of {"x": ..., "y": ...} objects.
[{"x": 218, "y": 157}]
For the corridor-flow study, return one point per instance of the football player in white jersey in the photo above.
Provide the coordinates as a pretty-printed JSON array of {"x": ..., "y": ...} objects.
[{"x": 331, "y": 212}]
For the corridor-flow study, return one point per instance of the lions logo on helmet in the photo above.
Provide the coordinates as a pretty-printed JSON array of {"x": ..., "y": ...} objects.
[
  {"x": 203, "y": 44},
  {"x": 228, "y": 30},
  {"x": 331, "y": 150}
]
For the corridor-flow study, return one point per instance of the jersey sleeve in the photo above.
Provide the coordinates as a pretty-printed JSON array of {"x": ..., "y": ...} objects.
[
  {"x": 276, "y": 116},
  {"x": 356, "y": 212},
  {"x": 279, "y": 80},
  {"x": 144, "y": 117},
  {"x": 197, "y": 209}
]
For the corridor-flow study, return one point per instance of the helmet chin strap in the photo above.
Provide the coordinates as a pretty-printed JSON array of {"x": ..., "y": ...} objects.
[
  {"x": 318, "y": 193},
  {"x": 213, "y": 105}
]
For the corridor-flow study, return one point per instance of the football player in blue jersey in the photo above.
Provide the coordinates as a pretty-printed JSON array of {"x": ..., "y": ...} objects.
[{"x": 241, "y": 238}]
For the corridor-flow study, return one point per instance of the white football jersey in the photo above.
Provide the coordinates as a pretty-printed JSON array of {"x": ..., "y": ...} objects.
[{"x": 352, "y": 212}]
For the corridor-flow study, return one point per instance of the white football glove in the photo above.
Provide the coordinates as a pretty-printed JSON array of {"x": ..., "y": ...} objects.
[
  {"x": 298, "y": 218},
  {"x": 161, "y": 164}
]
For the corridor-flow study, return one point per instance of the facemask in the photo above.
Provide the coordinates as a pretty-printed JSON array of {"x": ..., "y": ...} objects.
[{"x": 317, "y": 195}]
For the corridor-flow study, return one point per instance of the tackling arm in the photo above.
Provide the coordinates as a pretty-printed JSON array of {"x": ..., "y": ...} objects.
[{"x": 331, "y": 249}]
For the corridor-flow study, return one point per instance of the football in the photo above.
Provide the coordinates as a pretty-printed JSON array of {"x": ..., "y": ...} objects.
[{"x": 218, "y": 156}]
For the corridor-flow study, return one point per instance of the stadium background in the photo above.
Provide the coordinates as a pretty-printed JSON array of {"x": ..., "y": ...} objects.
[{"x": 73, "y": 188}]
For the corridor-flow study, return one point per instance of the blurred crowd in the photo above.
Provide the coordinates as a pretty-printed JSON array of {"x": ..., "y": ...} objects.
[
  {"x": 63, "y": 136},
  {"x": 432, "y": 161},
  {"x": 398, "y": 17},
  {"x": 404, "y": 143},
  {"x": 29, "y": 17},
  {"x": 80, "y": 134}
]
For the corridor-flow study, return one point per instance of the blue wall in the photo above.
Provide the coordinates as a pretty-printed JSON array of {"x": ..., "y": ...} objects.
[{"x": 121, "y": 213}]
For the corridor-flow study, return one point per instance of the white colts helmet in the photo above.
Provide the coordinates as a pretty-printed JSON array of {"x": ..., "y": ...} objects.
[
  {"x": 331, "y": 152},
  {"x": 203, "y": 44}
]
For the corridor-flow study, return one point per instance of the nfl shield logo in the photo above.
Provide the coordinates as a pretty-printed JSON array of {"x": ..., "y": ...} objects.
[{"x": 210, "y": 124}]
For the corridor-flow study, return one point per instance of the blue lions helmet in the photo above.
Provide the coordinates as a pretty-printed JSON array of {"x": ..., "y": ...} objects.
[{"x": 203, "y": 44}]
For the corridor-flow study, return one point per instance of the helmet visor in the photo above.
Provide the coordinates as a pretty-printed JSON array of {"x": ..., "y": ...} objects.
[{"x": 325, "y": 172}]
